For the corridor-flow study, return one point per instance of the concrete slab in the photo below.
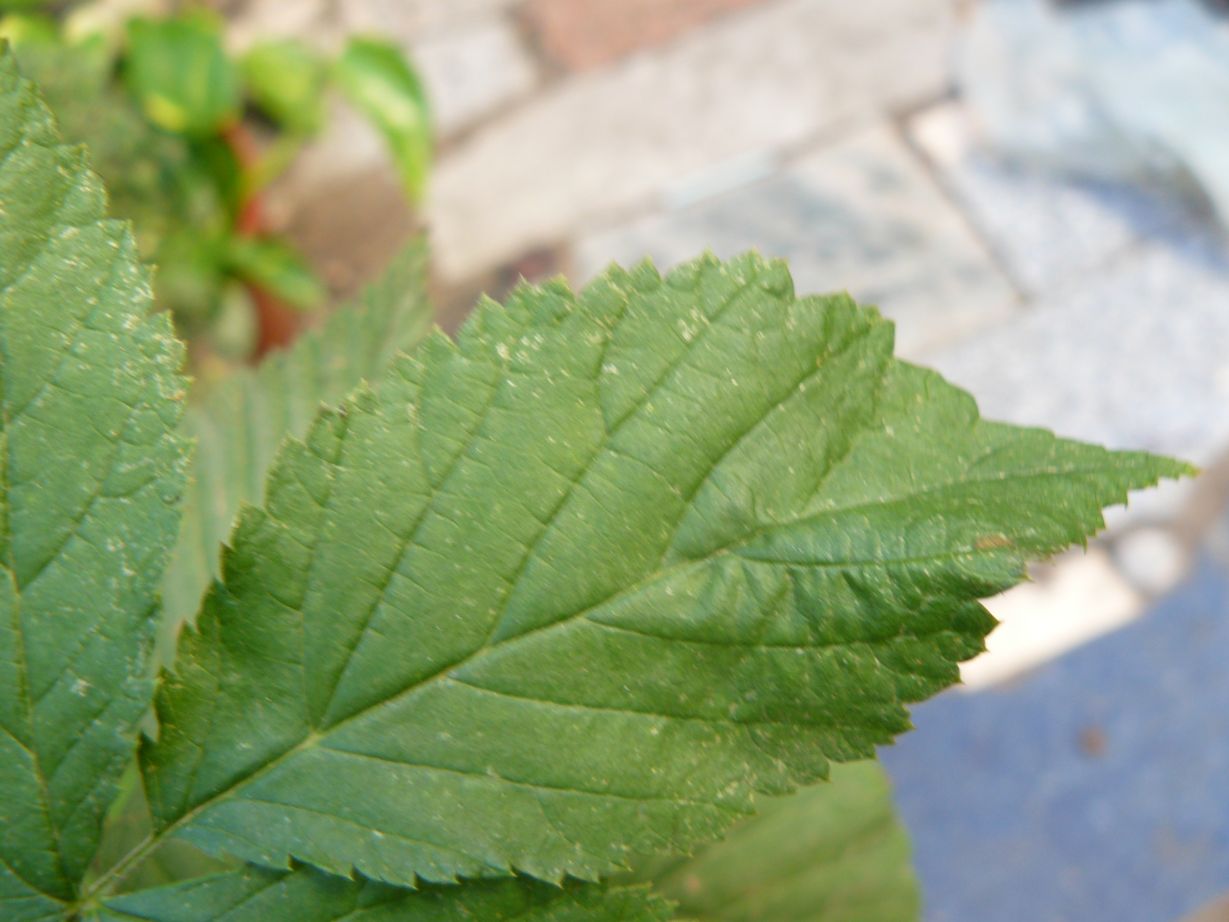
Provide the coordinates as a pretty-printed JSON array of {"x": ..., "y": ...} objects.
[{"x": 472, "y": 72}]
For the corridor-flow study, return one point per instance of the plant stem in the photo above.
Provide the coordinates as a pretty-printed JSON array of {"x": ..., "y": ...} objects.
[{"x": 278, "y": 325}]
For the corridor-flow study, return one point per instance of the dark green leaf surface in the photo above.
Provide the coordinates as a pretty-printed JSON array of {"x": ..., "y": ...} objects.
[
  {"x": 90, "y": 480},
  {"x": 309, "y": 896},
  {"x": 239, "y": 424},
  {"x": 829, "y": 853},
  {"x": 589, "y": 578}
]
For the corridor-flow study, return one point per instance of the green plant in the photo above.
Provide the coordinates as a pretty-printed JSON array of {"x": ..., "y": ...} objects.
[
  {"x": 597, "y": 581},
  {"x": 187, "y": 139}
]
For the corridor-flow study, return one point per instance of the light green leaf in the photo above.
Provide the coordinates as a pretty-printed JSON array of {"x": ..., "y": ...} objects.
[
  {"x": 21, "y": 28},
  {"x": 23, "y": 5},
  {"x": 277, "y": 268},
  {"x": 90, "y": 479},
  {"x": 309, "y": 896},
  {"x": 179, "y": 71},
  {"x": 378, "y": 80},
  {"x": 287, "y": 79},
  {"x": 591, "y": 577},
  {"x": 829, "y": 853},
  {"x": 239, "y": 424}
]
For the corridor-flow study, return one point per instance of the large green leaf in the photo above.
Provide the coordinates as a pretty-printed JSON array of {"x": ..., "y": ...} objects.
[
  {"x": 90, "y": 479},
  {"x": 309, "y": 896},
  {"x": 829, "y": 853},
  {"x": 239, "y": 424},
  {"x": 589, "y": 578}
]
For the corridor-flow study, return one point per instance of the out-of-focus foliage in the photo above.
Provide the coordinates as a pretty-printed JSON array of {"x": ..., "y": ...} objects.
[
  {"x": 379, "y": 81},
  {"x": 181, "y": 76},
  {"x": 188, "y": 138},
  {"x": 832, "y": 852},
  {"x": 287, "y": 80}
]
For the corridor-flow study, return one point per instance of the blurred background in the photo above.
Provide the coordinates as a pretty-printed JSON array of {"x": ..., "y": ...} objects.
[{"x": 1036, "y": 191}]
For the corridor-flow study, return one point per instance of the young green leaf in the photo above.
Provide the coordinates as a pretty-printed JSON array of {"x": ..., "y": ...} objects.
[
  {"x": 239, "y": 424},
  {"x": 276, "y": 267},
  {"x": 378, "y": 80},
  {"x": 589, "y": 578},
  {"x": 90, "y": 480},
  {"x": 829, "y": 853},
  {"x": 286, "y": 78},
  {"x": 179, "y": 71},
  {"x": 308, "y": 896},
  {"x": 23, "y": 28}
]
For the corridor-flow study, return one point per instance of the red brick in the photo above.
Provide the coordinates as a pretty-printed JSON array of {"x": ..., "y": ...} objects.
[{"x": 582, "y": 35}]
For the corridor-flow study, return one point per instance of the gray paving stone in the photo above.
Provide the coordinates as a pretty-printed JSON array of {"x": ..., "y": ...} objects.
[
  {"x": 1135, "y": 357},
  {"x": 595, "y": 147},
  {"x": 1049, "y": 231},
  {"x": 860, "y": 215},
  {"x": 260, "y": 20},
  {"x": 472, "y": 71},
  {"x": 413, "y": 20}
]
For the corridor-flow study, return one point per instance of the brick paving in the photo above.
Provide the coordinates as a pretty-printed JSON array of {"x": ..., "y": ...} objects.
[{"x": 579, "y": 35}]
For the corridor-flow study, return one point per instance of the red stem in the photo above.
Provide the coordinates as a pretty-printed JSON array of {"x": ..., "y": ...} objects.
[{"x": 277, "y": 324}]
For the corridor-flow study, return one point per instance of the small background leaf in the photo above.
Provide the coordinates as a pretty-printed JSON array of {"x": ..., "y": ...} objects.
[
  {"x": 181, "y": 74},
  {"x": 276, "y": 267},
  {"x": 378, "y": 80},
  {"x": 832, "y": 852},
  {"x": 287, "y": 80}
]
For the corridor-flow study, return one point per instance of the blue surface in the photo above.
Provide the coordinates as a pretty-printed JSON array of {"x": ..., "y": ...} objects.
[{"x": 1096, "y": 788}]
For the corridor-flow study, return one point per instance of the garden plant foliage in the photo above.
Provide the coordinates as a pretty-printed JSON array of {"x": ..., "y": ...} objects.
[
  {"x": 188, "y": 138},
  {"x": 600, "y": 580}
]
